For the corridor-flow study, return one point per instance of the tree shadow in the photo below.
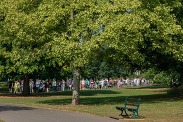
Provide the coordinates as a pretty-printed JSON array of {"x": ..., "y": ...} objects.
[
  {"x": 147, "y": 87},
  {"x": 82, "y": 93},
  {"x": 13, "y": 108},
  {"x": 64, "y": 93},
  {"x": 156, "y": 98}
]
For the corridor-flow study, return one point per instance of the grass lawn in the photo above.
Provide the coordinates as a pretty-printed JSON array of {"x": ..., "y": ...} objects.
[{"x": 156, "y": 105}]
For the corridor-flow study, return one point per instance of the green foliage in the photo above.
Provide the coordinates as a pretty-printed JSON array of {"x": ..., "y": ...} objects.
[
  {"x": 3, "y": 84},
  {"x": 3, "y": 87},
  {"x": 149, "y": 74},
  {"x": 157, "y": 77},
  {"x": 42, "y": 34},
  {"x": 162, "y": 78},
  {"x": 99, "y": 70}
]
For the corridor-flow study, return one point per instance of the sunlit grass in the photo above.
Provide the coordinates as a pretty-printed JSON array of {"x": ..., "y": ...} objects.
[{"x": 156, "y": 105}]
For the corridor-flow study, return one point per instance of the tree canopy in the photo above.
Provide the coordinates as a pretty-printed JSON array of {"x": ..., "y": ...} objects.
[{"x": 38, "y": 34}]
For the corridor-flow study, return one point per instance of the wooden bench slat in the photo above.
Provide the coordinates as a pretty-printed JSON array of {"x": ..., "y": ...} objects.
[{"x": 132, "y": 104}]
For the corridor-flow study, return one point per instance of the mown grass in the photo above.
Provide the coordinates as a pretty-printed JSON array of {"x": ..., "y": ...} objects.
[{"x": 156, "y": 105}]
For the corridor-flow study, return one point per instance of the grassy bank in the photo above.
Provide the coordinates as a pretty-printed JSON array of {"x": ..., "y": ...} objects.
[{"x": 156, "y": 105}]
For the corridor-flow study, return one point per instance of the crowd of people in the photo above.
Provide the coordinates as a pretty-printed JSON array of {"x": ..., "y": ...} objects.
[
  {"x": 37, "y": 86},
  {"x": 62, "y": 85},
  {"x": 15, "y": 86},
  {"x": 107, "y": 83}
]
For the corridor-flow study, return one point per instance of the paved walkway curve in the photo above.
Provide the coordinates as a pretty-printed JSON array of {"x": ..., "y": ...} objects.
[{"x": 11, "y": 113}]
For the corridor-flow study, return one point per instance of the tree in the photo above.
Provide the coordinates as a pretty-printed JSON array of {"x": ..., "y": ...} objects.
[
  {"x": 44, "y": 31},
  {"x": 147, "y": 36},
  {"x": 2, "y": 60},
  {"x": 167, "y": 56},
  {"x": 72, "y": 32},
  {"x": 23, "y": 39}
]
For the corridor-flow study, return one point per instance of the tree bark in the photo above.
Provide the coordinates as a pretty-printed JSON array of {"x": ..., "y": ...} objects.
[
  {"x": 181, "y": 74},
  {"x": 181, "y": 79},
  {"x": 26, "y": 88},
  {"x": 34, "y": 80},
  {"x": 76, "y": 88}
]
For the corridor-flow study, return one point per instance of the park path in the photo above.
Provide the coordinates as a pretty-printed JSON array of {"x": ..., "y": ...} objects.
[{"x": 11, "y": 113}]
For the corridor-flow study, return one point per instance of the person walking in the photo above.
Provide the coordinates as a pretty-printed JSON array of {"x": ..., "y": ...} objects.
[
  {"x": 16, "y": 87},
  {"x": 119, "y": 83},
  {"x": 54, "y": 84},
  {"x": 10, "y": 86},
  {"x": 63, "y": 85}
]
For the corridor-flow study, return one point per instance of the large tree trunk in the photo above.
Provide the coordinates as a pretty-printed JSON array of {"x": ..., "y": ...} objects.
[
  {"x": 76, "y": 88},
  {"x": 34, "y": 80},
  {"x": 26, "y": 88},
  {"x": 181, "y": 74},
  {"x": 181, "y": 78}
]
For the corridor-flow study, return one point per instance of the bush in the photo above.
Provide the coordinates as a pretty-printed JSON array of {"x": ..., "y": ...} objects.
[
  {"x": 3, "y": 84},
  {"x": 162, "y": 78},
  {"x": 157, "y": 77},
  {"x": 149, "y": 74}
]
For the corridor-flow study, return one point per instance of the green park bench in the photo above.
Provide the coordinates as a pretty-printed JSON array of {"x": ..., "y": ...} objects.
[{"x": 131, "y": 105}]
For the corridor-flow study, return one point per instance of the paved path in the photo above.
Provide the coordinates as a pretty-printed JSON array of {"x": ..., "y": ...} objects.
[{"x": 11, "y": 113}]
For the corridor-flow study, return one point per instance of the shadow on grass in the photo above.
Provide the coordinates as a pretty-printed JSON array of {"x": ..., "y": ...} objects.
[
  {"x": 157, "y": 98},
  {"x": 65, "y": 93},
  {"x": 148, "y": 87},
  {"x": 14, "y": 108}
]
